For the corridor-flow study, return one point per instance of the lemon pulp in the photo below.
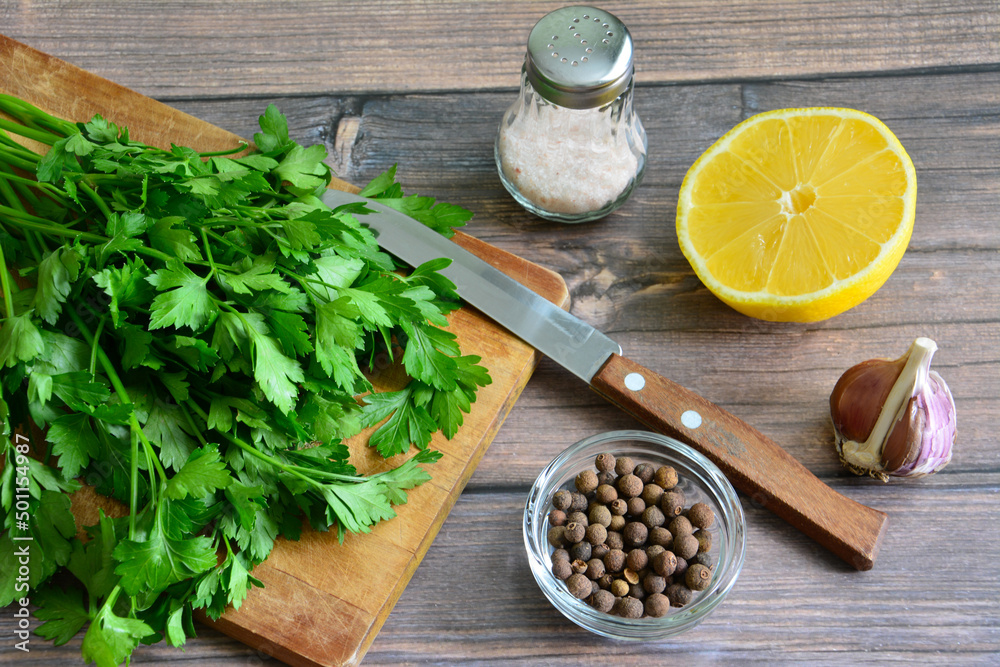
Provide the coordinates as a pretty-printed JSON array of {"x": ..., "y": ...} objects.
[{"x": 798, "y": 214}]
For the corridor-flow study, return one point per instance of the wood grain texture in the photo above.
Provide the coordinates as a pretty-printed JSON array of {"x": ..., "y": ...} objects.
[
  {"x": 934, "y": 594},
  {"x": 260, "y": 48}
]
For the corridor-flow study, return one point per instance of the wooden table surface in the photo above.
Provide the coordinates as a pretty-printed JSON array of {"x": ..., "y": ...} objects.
[{"x": 423, "y": 84}]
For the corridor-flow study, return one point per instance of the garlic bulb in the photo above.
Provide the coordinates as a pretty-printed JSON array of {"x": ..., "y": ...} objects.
[{"x": 894, "y": 418}]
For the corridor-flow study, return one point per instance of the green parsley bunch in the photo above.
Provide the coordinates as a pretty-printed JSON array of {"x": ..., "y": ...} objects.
[{"x": 193, "y": 343}]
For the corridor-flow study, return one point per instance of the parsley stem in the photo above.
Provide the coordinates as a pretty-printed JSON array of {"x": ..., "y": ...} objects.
[
  {"x": 194, "y": 427},
  {"x": 8, "y": 299},
  {"x": 28, "y": 221},
  {"x": 96, "y": 198},
  {"x": 222, "y": 239},
  {"x": 40, "y": 136},
  {"x": 232, "y": 151},
  {"x": 34, "y": 117},
  {"x": 208, "y": 254},
  {"x": 95, "y": 344},
  {"x": 18, "y": 159},
  {"x": 8, "y": 192}
]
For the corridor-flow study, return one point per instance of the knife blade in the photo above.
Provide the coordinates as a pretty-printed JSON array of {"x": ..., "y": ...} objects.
[{"x": 755, "y": 465}]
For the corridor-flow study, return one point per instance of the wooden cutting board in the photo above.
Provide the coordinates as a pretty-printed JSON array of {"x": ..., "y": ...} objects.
[{"x": 323, "y": 602}]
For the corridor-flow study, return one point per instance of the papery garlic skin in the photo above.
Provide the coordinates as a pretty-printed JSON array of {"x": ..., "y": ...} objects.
[
  {"x": 915, "y": 426},
  {"x": 938, "y": 428}
]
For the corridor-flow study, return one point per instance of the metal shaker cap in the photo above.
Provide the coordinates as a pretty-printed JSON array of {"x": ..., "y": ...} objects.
[{"x": 579, "y": 57}]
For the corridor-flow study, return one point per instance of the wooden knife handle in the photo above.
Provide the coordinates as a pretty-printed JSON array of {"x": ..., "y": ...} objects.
[{"x": 753, "y": 463}]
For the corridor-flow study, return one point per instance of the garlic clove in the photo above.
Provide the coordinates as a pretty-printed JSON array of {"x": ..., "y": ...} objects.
[
  {"x": 898, "y": 452},
  {"x": 873, "y": 379},
  {"x": 894, "y": 417}
]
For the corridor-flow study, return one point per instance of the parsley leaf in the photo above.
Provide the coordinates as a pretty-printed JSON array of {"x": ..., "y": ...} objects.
[
  {"x": 203, "y": 473},
  {"x": 184, "y": 299}
]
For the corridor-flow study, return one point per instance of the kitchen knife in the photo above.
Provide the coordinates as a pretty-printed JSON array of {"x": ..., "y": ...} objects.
[{"x": 755, "y": 465}]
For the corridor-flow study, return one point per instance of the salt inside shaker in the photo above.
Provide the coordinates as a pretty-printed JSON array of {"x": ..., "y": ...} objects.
[{"x": 571, "y": 148}]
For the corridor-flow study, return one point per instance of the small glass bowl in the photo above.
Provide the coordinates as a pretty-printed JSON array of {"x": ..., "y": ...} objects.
[{"x": 700, "y": 480}]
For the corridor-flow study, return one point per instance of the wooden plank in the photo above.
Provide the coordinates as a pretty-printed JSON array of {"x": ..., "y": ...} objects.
[
  {"x": 812, "y": 606},
  {"x": 323, "y": 602},
  {"x": 932, "y": 596},
  {"x": 262, "y": 48}
]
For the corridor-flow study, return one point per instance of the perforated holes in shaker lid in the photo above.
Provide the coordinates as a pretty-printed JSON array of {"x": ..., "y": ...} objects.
[{"x": 579, "y": 57}]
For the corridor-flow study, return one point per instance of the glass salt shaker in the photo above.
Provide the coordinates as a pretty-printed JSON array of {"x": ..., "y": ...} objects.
[{"x": 572, "y": 148}]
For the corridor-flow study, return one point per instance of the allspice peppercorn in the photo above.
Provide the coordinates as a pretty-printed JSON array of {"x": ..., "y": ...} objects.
[
  {"x": 636, "y": 559},
  {"x": 604, "y": 462},
  {"x": 636, "y": 506},
  {"x": 618, "y": 507},
  {"x": 580, "y": 502},
  {"x": 578, "y": 517},
  {"x": 701, "y": 515},
  {"x": 678, "y": 594},
  {"x": 635, "y": 534},
  {"x": 562, "y": 500},
  {"x": 657, "y": 605},
  {"x": 653, "y": 551},
  {"x": 672, "y": 503},
  {"x": 651, "y": 494},
  {"x": 579, "y": 586},
  {"x": 599, "y": 551},
  {"x": 703, "y": 558},
  {"x": 619, "y": 588},
  {"x": 557, "y": 518},
  {"x": 624, "y": 465},
  {"x": 665, "y": 564},
  {"x": 596, "y": 534},
  {"x": 660, "y": 536},
  {"x": 586, "y": 481},
  {"x": 682, "y": 566},
  {"x": 555, "y": 536},
  {"x": 645, "y": 472},
  {"x": 685, "y": 546},
  {"x": 561, "y": 569},
  {"x": 605, "y": 494},
  {"x": 698, "y": 577},
  {"x": 653, "y": 517},
  {"x": 581, "y": 551},
  {"x": 579, "y": 566},
  {"x": 617, "y": 523},
  {"x": 704, "y": 540},
  {"x": 614, "y": 540},
  {"x": 629, "y": 486},
  {"x": 561, "y": 554},
  {"x": 600, "y": 515},
  {"x": 665, "y": 477},
  {"x": 629, "y": 607},
  {"x": 614, "y": 561},
  {"x": 602, "y": 600},
  {"x": 595, "y": 569},
  {"x": 654, "y": 583},
  {"x": 680, "y": 525},
  {"x": 573, "y": 532}
]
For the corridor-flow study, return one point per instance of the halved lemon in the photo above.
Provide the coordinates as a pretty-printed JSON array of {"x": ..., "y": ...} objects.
[{"x": 797, "y": 215}]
